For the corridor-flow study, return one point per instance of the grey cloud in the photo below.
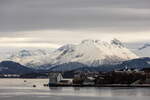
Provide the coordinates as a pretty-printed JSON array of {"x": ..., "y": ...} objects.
[{"x": 121, "y": 15}]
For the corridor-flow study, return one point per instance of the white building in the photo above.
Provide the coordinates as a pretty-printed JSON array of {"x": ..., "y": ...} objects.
[{"x": 55, "y": 78}]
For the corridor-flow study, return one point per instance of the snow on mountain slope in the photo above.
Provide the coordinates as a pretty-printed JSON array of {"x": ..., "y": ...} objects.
[
  {"x": 29, "y": 58},
  {"x": 29, "y": 53},
  {"x": 88, "y": 52},
  {"x": 94, "y": 52}
]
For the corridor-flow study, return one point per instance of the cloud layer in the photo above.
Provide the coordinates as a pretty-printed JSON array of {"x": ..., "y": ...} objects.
[
  {"x": 121, "y": 15},
  {"x": 55, "y": 21}
]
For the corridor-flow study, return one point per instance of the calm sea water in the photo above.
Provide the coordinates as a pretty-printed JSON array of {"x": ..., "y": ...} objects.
[{"x": 17, "y": 89}]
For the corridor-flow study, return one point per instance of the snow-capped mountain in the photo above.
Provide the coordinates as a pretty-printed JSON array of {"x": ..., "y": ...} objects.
[
  {"x": 144, "y": 46},
  {"x": 88, "y": 52},
  {"x": 144, "y": 50},
  {"x": 28, "y": 53},
  {"x": 94, "y": 52},
  {"x": 137, "y": 64},
  {"x": 29, "y": 58}
]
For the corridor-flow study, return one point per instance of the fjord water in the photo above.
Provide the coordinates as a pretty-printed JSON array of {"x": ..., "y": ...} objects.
[{"x": 22, "y": 89}]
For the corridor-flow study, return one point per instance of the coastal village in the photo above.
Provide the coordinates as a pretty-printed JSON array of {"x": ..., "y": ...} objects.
[
  {"x": 126, "y": 77},
  {"x": 117, "y": 78}
]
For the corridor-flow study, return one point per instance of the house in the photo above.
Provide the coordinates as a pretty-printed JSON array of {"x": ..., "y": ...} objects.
[
  {"x": 89, "y": 81},
  {"x": 54, "y": 78}
]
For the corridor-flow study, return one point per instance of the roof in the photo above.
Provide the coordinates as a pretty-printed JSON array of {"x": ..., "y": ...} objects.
[{"x": 54, "y": 74}]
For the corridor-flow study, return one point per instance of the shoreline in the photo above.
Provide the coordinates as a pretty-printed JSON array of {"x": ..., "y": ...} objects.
[{"x": 103, "y": 85}]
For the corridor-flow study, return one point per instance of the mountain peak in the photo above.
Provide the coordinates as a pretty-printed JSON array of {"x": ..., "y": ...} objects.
[
  {"x": 144, "y": 46},
  {"x": 88, "y": 41},
  {"x": 24, "y": 53},
  {"x": 117, "y": 42},
  {"x": 114, "y": 41},
  {"x": 93, "y": 41},
  {"x": 66, "y": 47}
]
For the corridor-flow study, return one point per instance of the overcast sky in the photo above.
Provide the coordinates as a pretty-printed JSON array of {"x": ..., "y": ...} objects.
[{"x": 51, "y": 23}]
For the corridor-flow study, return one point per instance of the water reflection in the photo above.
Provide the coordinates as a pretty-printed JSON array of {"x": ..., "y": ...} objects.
[
  {"x": 55, "y": 88},
  {"x": 75, "y": 93},
  {"x": 101, "y": 92},
  {"x": 16, "y": 89}
]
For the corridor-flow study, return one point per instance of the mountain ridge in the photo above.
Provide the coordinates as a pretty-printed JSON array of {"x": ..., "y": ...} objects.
[{"x": 88, "y": 52}]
